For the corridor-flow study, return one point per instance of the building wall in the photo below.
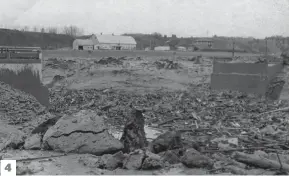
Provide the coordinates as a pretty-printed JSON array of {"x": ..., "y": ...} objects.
[
  {"x": 162, "y": 48},
  {"x": 88, "y": 47},
  {"x": 113, "y": 46}
]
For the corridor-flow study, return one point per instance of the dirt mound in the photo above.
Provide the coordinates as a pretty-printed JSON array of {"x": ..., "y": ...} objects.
[
  {"x": 57, "y": 63},
  {"x": 16, "y": 106},
  {"x": 110, "y": 60},
  {"x": 167, "y": 64}
]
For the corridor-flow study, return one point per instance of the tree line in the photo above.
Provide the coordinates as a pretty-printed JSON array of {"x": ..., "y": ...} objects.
[{"x": 70, "y": 30}]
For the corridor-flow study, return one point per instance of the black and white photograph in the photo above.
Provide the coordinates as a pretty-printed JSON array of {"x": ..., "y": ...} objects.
[{"x": 144, "y": 87}]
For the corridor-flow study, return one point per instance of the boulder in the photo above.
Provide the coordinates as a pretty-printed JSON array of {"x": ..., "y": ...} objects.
[
  {"x": 134, "y": 160},
  {"x": 88, "y": 160},
  {"x": 33, "y": 142},
  {"x": 82, "y": 132},
  {"x": 172, "y": 156},
  {"x": 167, "y": 141},
  {"x": 10, "y": 137},
  {"x": 111, "y": 162},
  {"x": 193, "y": 159},
  {"x": 44, "y": 126},
  {"x": 152, "y": 161}
]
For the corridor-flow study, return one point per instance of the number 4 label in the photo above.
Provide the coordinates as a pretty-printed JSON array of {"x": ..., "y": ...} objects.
[{"x": 8, "y": 167}]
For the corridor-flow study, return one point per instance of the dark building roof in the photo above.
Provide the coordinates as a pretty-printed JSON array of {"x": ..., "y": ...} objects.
[{"x": 84, "y": 37}]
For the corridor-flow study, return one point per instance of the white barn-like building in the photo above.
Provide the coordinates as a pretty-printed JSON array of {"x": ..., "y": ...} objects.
[{"x": 104, "y": 42}]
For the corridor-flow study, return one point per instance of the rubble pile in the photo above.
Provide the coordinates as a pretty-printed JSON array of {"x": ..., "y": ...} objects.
[
  {"x": 110, "y": 60},
  {"x": 18, "y": 107},
  {"x": 167, "y": 64},
  {"x": 167, "y": 105},
  {"x": 57, "y": 63}
]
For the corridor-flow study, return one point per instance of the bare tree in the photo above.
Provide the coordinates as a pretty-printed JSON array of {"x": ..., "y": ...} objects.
[
  {"x": 52, "y": 30},
  {"x": 35, "y": 29},
  {"x": 25, "y": 28},
  {"x": 42, "y": 30},
  {"x": 72, "y": 30}
]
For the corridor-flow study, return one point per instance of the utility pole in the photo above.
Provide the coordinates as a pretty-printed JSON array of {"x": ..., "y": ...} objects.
[
  {"x": 233, "y": 50},
  {"x": 266, "y": 46}
]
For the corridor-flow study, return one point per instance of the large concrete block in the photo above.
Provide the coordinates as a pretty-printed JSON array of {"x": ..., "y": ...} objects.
[
  {"x": 240, "y": 82},
  {"x": 242, "y": 68},
  {"x": 273, "y": 70},
  {"x": 25, "y": 75}
]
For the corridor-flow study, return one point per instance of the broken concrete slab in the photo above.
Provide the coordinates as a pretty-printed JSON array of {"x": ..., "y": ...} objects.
[
  {"x": 193, "y": 159},
  {"x": 83, "y": 132},
  {"x": 167, "y": 141},
  {"x": 152, "y": 161},
  {"x": 134, "y": 160},
  {"x": 33, "y": 142},
  {"x": 10, "y": 137},
  {"x": 111, "y": 162},
  {"x": 172, "y": 156}
]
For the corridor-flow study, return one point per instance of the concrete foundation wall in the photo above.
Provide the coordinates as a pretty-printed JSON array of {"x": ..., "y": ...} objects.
[
  {"x": 25, "y": 75},
  {"x": 243, "y": 68},
  {"x": 273, "y": 70},
  {"x": 245, "y": 83},
  {"x": 245, "y": 77}
]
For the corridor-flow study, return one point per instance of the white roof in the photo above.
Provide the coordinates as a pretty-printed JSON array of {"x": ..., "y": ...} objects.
[
  {"x": 83, "y": 42},
  {"x": 116, "y": 39}
]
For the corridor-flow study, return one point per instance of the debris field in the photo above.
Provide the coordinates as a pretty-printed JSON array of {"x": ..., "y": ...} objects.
[{"x": 142, "y": 116}]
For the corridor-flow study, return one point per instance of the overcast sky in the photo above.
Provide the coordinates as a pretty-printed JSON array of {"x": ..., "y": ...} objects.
[{"x": 257, "y": 18}]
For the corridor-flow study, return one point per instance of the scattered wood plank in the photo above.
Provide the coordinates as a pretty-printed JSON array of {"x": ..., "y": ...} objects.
[
  {"x": 168, "y": 121},
  {"x": 234, "y": 150},
  {"x": 276, "y": 110},
  {"x": 260, "y": 161},
  {"x": 36, "y": 158}
]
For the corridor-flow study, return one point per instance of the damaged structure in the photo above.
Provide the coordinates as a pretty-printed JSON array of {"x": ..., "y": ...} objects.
[
  {"x": 21, "y": 68},
  {"x": 244, "y": 77}
]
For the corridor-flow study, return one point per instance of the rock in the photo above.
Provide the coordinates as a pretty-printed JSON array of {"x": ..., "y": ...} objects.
[
  {"x": 88, "y": 135},
  {"x": 236, "y": 170},
  {"x": 30, "y": 169},
  {"x": 167, "y": 141},
  {"x": 193, "y": 159},
  {"x": 152, "y": 161},
  {"x": 172, "y": 156},
  {"x": 10, "y": 137},
  {"x": 43, "y": 127},
  {"x": 33, "y": 142},
  {"x": 133, "y": 136},
  {"x": 111, "y": 162},
  {"x": 90, "y": 161},
  {"x": 134, "y": 160}
]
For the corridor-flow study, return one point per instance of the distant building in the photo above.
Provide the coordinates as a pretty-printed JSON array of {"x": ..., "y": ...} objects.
[
  {"x": 147, "y": 49},
  {"x": 83, "y": 44},
  {"x": 162, "y": 48},
  {"x": 181, "y": 48},
  {"x": 105, "y": 42},
  {"x": 115, "y": 42},
  {"x": 203, "y": 43}
]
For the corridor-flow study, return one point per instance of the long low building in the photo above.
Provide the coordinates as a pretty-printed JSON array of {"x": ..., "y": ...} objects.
[
  {"x": 162, "y": 48},
  {"x": 104, "y": 42}
]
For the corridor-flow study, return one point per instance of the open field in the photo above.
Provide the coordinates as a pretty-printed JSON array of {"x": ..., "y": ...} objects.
[
  {"x": 99, "y": 54},
  {"x": 217, "y": 127}
]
